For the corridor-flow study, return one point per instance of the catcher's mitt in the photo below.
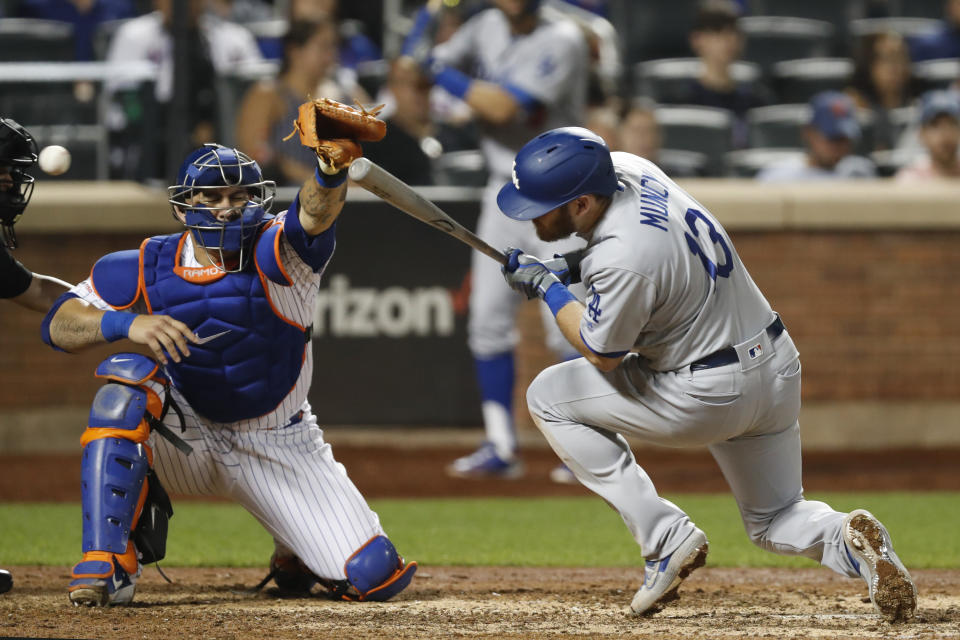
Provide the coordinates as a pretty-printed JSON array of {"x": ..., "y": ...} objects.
[{"x": 332, "y": 129}]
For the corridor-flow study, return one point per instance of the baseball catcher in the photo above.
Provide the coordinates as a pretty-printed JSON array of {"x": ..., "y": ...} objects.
[{"x": 225, "y": 308}]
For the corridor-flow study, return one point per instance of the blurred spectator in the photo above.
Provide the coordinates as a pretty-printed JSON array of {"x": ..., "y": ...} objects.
[
  {"x": 639, "y": 131},
  {"x": 241, "y": 10},
  {"x": 354, "y": 45},
  {"x": 718, "y": 43},
  {"x": 410, "y": 144},
  {"x": 604, "y": 121},
  {"x": 84, "y": 15},
  {"x": 940, "y": 135},
  {"x": 829, "y": 138},
  {"x": 213, "y": 46},
  {"x": 267, "y": 112},
  {"x": 883, "y": 81},
  {"x": 944, "y": 42}
]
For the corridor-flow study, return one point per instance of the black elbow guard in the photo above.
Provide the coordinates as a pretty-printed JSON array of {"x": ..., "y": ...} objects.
[{"x": 573, "y": 264}]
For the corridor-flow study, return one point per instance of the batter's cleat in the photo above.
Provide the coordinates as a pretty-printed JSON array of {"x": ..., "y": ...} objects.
[
  {"x": 485, "y": 463},
  {"x": 892, "y": 591},
  {"x": 101, "y": 581},
  {"x": 662, "y": 577},
  {"x": 561, "y": 474}
]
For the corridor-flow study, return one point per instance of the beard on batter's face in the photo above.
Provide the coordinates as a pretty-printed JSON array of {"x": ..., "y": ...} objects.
[{"x": 556, "y": 225}]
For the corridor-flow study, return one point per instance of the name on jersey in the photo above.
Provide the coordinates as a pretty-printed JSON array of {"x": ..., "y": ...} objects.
[
  {"x": 653, "y": 202},
  {"x": 394, "y": 312}
]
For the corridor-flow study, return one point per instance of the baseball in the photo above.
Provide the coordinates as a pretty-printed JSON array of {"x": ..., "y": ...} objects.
[{"x": 54, "y": 160}]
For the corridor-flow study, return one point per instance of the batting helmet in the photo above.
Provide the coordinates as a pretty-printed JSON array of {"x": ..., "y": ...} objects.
[
  {"x": 555, "y": 168},
  {"x": 215, "y": 166},
  {"x": 18, "y": 152}
]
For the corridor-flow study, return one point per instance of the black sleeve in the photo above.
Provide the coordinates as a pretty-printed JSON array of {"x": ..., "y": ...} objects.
[{"x": 14, "y": 277}]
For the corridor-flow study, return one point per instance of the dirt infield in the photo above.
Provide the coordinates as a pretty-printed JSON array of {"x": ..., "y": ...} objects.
[
  {"x": 456, "y": 602},
  {"x": 497, "y": 602}
]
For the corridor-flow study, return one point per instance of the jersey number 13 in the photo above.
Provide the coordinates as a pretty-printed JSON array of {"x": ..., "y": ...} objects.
[{"x": 713, "y": 269}]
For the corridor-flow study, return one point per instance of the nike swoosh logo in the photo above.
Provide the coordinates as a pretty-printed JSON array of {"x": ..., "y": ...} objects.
[
  {"x": 213, "y": 337},
  {"x": 121, "y": 359},
  {"x": 117, "y": 583}
]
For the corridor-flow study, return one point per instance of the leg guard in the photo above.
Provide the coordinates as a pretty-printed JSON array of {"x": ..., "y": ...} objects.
[
  {"x": 375, "y": 572},
  {"x": 114, "y": 468}
]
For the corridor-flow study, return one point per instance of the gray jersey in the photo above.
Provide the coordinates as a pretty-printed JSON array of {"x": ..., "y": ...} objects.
[
  {"x": 662, "y": 276},
  {"x": 551, "y": 64}
]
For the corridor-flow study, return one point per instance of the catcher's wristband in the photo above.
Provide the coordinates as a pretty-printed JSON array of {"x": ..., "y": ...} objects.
[
  {"x": 329, "y": 181},
  {"x": 115, "y": 325},
  {"x": 557, "y": 297}
]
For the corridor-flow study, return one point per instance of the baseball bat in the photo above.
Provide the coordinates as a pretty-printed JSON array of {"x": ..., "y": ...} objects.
[{"x": 392, "y": 189}]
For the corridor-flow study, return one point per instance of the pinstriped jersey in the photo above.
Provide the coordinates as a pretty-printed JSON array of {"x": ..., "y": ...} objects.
[
  {"x": 293, "y": 303},
  {"x": 662, "y": 276}
]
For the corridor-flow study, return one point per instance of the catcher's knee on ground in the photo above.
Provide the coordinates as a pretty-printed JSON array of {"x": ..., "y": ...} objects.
[
  {"x": 375, "y": 572},
  {"x": 117, "y": 483}
]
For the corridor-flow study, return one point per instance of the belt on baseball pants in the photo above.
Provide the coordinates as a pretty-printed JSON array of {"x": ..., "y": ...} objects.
[{"x": 729, "y": 355}]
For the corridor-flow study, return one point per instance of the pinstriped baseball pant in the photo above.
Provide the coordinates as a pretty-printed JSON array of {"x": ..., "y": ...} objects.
[{"x": 286, "y": 477}]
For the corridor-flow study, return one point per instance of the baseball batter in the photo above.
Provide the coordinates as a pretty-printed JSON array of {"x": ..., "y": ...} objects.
[
  {"x": 680, "y": 349},
  {"x": 521, "y": 73},
  {"x": 225, "y": 307}
]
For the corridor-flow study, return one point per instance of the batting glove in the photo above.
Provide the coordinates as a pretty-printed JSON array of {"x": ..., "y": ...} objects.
[
  {"x": 558, "y": 266},
  {"x": 527, "y": 274}
]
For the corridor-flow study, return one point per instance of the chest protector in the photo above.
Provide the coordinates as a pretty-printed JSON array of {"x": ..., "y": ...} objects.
[{"x": 244, "y": 373}]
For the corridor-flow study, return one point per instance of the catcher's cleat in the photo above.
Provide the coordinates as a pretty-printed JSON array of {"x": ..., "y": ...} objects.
[
  {"x": 291, "y": 575},
  {"x": 892, "y": 591},
  {"x": 485, "y": 463},
  {"x": 99, "y": 580},
  {"x": 662, "y": 578}
]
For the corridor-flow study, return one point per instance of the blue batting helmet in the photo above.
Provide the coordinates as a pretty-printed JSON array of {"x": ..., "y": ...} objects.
[
  {"x": 215, "y": 166},
  {"x": 555, "y": 168}
]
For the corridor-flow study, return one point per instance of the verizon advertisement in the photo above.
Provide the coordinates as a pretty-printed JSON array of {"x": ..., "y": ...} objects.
[{"x": 389, "y": 330}]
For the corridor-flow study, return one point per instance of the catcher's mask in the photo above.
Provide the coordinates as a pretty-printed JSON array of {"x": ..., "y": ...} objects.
[
  {"x": 18, "y": 152},
  {"x": 214, "y": 166}
]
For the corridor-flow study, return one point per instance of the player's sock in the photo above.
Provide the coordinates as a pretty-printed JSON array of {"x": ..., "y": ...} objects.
[{"x": 496, "y": 375}]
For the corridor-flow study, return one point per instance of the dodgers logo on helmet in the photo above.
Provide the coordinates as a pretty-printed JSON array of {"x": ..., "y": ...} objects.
[
  {"x": 215, "y": 166},
  {"x": 555, "y": 168}
]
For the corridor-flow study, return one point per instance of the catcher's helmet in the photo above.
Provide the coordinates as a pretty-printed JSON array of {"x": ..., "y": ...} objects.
[
  {"x": 555, "y": 168},
  {"x": 215, "y": 166},
  {"x": 18, "y": 152}
]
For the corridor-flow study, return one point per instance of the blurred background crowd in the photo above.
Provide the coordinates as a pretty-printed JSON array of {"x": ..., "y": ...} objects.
[{"x": 767, "y": 89}]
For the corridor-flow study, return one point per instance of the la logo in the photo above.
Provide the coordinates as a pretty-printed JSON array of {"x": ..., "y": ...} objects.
[{"x": 516, "y": 181}]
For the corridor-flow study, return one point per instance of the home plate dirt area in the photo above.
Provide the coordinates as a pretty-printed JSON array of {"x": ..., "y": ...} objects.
[
  {"x": 496, "y": 602},
  {"x": 484, "y": 602}
]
